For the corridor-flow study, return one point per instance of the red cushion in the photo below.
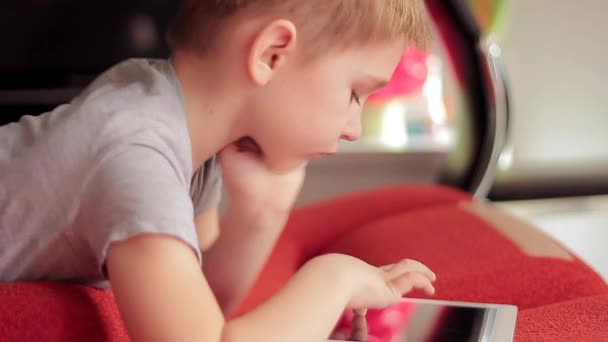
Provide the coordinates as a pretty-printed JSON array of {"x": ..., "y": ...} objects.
[
  {"x": 578, "y": 320},
  {"x": 472, "y": 260},
  {"x": 312, "y": 229},
  {"x": 46, "y": 311}
]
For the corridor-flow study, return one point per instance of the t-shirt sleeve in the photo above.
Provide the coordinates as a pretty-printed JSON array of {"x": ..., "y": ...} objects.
[
  {"x": 138, "y": 191},
  {"x": 206, "y": 188}
]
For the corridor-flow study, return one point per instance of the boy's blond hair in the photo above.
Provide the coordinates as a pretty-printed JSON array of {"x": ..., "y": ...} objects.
[{"x": 323, "y": 24}]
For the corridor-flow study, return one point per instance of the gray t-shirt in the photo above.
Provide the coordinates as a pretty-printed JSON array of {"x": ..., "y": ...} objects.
[{"x": 114, "y": 163}]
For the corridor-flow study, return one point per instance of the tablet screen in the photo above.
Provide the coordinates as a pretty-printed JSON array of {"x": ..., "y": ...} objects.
[{"x": 427, "y": 320}]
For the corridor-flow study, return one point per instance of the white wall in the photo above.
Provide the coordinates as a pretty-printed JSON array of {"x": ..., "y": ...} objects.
[{"x": 556, "y": 55}]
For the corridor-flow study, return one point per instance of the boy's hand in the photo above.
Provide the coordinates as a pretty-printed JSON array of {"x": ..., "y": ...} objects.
[
  {"x": 260, "y": 201},
  {"x": 252, "y": 187},
  {"x": 379, "y": 287},
  {"x": 392, "y": 283}
]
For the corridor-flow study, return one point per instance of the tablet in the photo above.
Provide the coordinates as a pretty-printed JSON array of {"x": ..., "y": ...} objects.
[{"x": 414, "y": 320}]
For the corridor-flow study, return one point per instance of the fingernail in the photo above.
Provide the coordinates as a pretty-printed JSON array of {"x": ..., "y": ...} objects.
[{"x": 361, "y": 312}]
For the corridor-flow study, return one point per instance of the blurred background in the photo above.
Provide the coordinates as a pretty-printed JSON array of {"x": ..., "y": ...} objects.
[
  {"x": 508, "y": 104},
  {"x": 556, "y": 64}
]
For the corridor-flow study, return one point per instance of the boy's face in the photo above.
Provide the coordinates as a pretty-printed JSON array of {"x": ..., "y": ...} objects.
[{"x": 307, "y": 108}]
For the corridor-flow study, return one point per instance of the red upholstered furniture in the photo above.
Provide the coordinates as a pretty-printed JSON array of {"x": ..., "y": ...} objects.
[{"x": 561, "y": 299}]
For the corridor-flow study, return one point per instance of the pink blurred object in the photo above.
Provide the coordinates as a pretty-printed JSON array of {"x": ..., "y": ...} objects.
[
  {"x": 382, "y": 325},
  {"x": 408, "y": 79}
]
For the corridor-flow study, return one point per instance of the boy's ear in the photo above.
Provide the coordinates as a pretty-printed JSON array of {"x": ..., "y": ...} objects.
[{"x": 271, "y": 49}]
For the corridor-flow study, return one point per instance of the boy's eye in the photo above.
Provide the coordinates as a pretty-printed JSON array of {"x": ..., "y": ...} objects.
[{"x": 354, "y": 97}]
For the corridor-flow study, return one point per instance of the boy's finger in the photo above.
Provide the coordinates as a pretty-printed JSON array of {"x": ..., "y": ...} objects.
[
  {"x": 228, "y": 149},
  {"x": 387, "y": 268},
  {"x": 413, "y": 280},
  {"x": 338, "y": 336},
  {"x": 360, "y": 312},
  {"x": 359, "y": 331},
  {"x": 408, "y": 265}
]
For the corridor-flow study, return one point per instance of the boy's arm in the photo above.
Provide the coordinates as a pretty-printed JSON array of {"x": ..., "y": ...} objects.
[
  {"x": 260, "y": 202},
  {"x": 234, "y": 261},
  {"x": 163, "y": 296}
]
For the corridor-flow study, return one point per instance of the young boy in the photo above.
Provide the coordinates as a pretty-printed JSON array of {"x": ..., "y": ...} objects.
[{"x": 123, "y": 183}]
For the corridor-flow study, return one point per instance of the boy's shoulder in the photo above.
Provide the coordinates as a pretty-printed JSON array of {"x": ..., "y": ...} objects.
[
  {"x": 138, "y": 101},
  {"x": 134, "y": 102},
  {"x": 133, "y": 80},
  {"x": 133, "y": 98}
]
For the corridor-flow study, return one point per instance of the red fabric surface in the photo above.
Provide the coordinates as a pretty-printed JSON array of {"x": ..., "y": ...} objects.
[
  {"x": 46, "y": 311},
  {"x": 312, "y": 229},
  {"x": 472, "y": 260},
  {"x": 578, "y": 320}
]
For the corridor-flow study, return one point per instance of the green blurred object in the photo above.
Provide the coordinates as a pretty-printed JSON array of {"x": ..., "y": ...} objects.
[{"x": 490, "y": 14}]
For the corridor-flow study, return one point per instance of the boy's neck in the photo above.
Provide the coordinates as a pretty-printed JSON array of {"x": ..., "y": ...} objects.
[{"x": 211, "y": 106}]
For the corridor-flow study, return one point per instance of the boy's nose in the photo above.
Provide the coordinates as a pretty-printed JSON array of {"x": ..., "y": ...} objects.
[{"x": 352, "y": 131}]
